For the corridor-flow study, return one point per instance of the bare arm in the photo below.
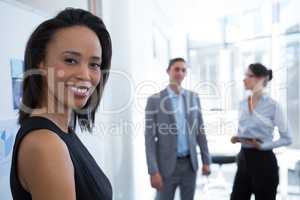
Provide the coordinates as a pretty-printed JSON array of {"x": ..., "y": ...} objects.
[{"x": 45, "y": 168}]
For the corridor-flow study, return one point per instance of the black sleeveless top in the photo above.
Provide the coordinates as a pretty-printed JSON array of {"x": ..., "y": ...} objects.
[{"x": 90, "y": 181}]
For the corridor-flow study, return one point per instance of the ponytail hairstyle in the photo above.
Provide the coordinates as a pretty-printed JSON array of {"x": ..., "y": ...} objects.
[{"x": 259, "y": 70}]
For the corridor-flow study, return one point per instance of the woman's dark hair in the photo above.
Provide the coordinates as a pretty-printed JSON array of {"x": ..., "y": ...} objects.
[
  {"x": 35, "y": 53},
  {"x": 259, "y": 70}
]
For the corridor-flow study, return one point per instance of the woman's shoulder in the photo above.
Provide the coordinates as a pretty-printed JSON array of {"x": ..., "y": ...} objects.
[
  {"x": 270, "y": 101},
  {"x": 41, "y": 139},
  {"x": 41, "y": 145},
  {"x": 42, "y": 154}
]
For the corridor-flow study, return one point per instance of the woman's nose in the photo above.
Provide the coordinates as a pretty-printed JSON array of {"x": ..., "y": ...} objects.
[{"x": 83, "y": 72}]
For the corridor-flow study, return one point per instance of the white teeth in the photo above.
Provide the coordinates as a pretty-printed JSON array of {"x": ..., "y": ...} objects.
[{"x": 79, "y": 90}]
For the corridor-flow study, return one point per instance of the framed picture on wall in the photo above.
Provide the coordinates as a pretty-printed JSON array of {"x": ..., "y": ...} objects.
[{"x": 17, "y": 71}]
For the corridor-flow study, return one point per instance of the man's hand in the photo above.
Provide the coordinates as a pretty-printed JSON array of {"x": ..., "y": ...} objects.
[
  {"x": 205, "y": 170},
  {"x": 156, "y": 181}
]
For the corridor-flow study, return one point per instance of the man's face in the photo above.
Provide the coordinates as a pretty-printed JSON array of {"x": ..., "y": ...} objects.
[{"x": 177, "y": 72}]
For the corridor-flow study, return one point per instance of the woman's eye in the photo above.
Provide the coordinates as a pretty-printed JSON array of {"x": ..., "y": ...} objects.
[
  {"x": 96, "y": 65},
  {"x": 70, "y": 61}
]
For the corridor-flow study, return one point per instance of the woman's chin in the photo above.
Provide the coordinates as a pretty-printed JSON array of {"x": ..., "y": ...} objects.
[{"x": 77, "y": 105}]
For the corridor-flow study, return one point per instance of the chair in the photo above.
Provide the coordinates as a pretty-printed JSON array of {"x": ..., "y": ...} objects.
[{"x": 220, "y": 181}]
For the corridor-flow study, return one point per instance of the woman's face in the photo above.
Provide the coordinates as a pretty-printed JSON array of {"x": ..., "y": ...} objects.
[
  {"x": 253, "y": 82},
  {"x": 72, "y": 63}
]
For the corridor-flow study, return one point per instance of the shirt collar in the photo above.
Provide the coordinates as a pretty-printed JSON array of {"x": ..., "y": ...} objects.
[
  {"x": 264, "y": 96},
  {"x": 173, "y": 94}
]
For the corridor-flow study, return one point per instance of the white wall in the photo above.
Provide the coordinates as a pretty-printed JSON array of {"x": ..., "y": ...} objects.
[
  {"x": 131, "y": 24},
  {"x": 118, "y": 142},
  {"x": 54, "y": 6},
  {"x": 17, "y": 22}
]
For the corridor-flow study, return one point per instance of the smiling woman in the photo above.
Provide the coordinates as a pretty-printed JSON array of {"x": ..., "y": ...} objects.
[
  {"x": 67, "y": 62},
  {"x": 74, "y": 66}
]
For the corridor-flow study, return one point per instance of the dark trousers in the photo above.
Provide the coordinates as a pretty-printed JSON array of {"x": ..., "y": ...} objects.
[
  {"x": 183, "y": 177},
  {"x": 257, "y": 174}
]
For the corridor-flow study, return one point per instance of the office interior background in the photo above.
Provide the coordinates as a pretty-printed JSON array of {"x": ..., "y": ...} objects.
[{"x": 218, "y": 38}]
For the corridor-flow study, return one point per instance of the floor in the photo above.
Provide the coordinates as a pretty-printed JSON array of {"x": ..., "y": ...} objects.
[{"x": 216, "y": 192}]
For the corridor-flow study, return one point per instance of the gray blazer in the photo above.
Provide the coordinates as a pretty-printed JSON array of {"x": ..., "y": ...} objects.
[{"x": 161, "y": 132}]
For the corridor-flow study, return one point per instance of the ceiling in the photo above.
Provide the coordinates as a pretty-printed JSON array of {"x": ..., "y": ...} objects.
[{"x": 201, "y": 18}]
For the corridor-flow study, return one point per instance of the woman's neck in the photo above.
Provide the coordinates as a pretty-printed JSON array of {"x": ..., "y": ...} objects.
[
  {"x": 54, "y": 111},
  {"x": 62, "y": 120},
  {"x": 257, "y": 95}
]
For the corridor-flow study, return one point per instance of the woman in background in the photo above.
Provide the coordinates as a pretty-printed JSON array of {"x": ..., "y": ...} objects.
[
  {"x": 257, "y": 171},
  {"x": 67, "y": 60}
]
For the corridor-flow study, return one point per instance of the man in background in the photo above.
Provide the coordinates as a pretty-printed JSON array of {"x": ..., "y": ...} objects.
[{"x": 173, "y": 128}]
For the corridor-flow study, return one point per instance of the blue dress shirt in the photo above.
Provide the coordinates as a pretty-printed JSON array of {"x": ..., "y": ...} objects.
[
  {"x": 180, "y": 118},
  {"x": 260, "y": 124}
]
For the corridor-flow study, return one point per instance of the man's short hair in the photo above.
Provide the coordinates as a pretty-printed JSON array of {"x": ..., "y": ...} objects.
[{"x": 173, "y": 61}]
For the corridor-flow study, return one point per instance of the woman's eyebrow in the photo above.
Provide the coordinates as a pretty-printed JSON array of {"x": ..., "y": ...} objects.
[
  {"x": 96, "y": 58},
  {"x": 75, "y": 53}
]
